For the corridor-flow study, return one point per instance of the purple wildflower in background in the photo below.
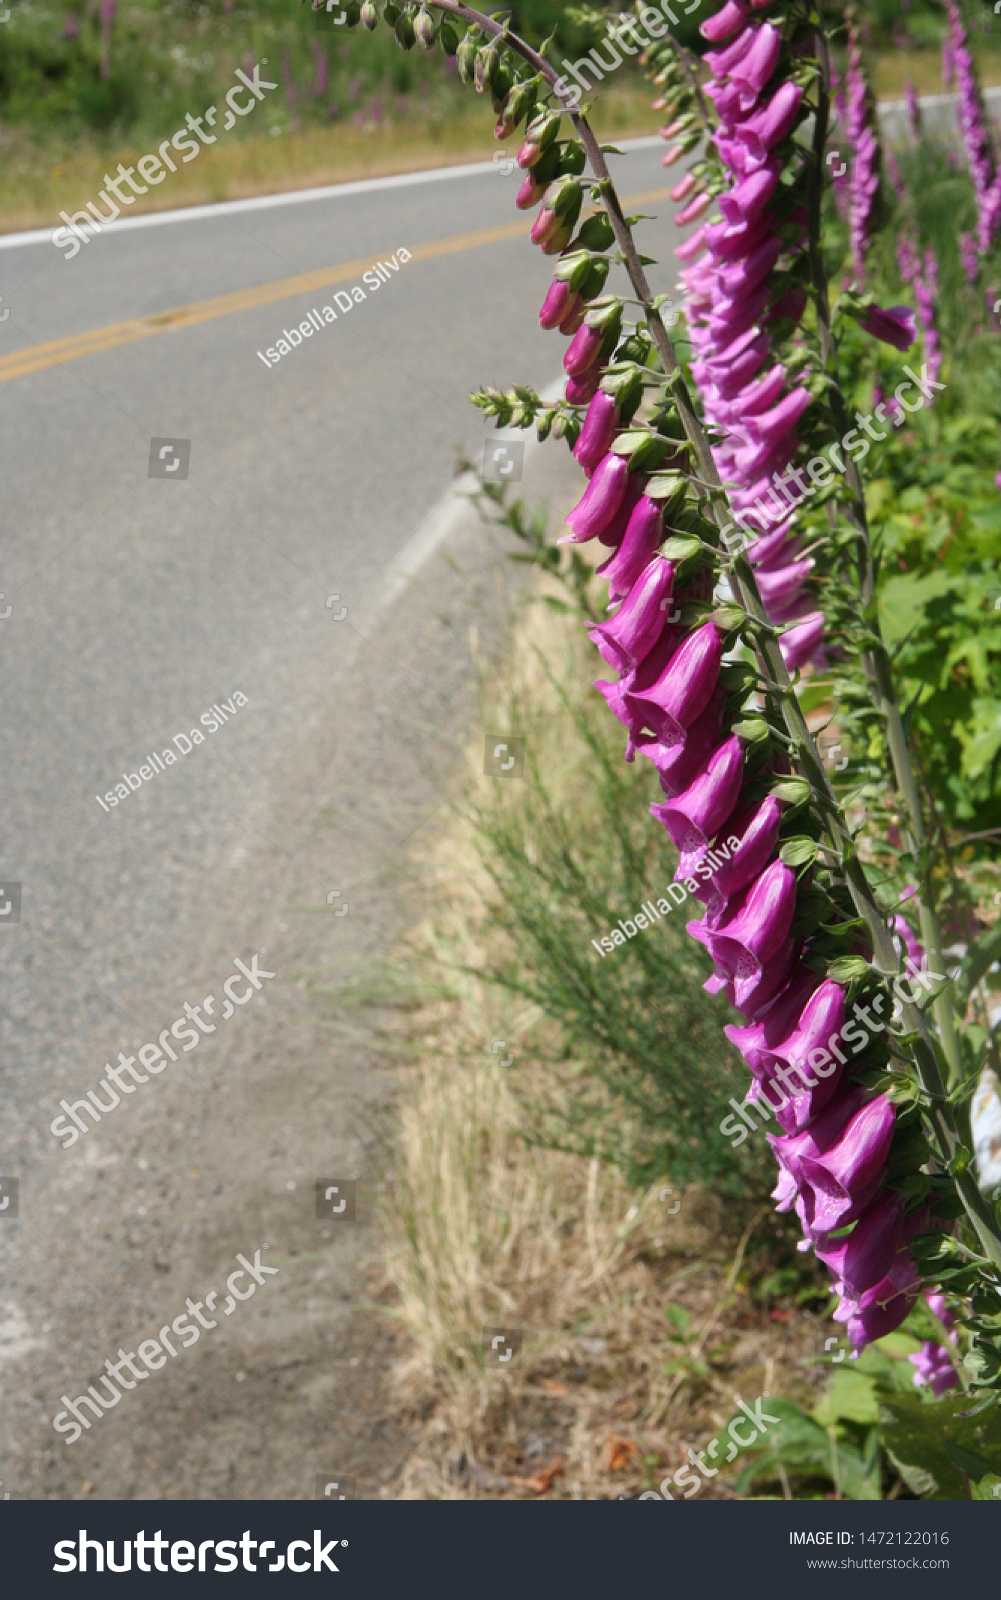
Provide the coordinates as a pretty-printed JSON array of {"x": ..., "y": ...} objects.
[
  {"x": 322, "y": 78},
  {"x": 976, "y": 136},
  {"x": 913, "y": 109},
  {"x": 932, "y": 1363},
  {"x": 107, "y": 23},
  {"x": 968, "y": 256}
]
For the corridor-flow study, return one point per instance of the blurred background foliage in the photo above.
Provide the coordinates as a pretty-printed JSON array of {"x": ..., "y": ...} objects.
[{"x": 114, "y": 69}]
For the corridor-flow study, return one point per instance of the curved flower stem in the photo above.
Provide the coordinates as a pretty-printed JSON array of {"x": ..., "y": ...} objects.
[
  {"x": 744, "y": 586},
  {"x": 876, "y": 661}
]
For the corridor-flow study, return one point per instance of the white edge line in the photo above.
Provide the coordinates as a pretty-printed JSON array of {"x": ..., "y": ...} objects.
[
  {"x": 442, "y": 521},
  {"x": 334, "y": 191}
]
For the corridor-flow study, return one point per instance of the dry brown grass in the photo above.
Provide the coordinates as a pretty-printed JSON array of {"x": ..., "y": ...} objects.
[
  {"x": 486, "y": 1231},
  {"x": 37, "y": 181}
]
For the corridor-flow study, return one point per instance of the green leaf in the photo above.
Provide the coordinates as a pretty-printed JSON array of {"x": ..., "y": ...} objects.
[
  {"x": 727, "y": 618},
  {"x": 681, "y": 548},
  {"x": 799, "y": 852},
  {"x": 927, "y": 1443},
  {"x": 678, "y": 1317},
  {"x": 666, "y": 485},
  {"x": 794, "y": 791},
  {"x": 845, "y": 969},
  {"x": 751, "y": 729}
]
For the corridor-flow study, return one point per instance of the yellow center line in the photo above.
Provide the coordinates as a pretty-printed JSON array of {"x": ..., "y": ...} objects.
[{"x": 57, "y": 351}]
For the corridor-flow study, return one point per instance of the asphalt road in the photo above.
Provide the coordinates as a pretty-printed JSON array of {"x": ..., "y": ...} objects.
[{"x": 138, "y": 603}]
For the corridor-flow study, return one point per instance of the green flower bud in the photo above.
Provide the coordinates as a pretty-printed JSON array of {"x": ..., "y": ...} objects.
[
  {"x": 517, "y": 104},
  {"x": 573, "y": 157},
  {"x": 405, "y": 36},
  {"x": 466, "y": 58},
  {"x": 564, "y": 197},
  {"x": 501, "y": 85},
  {"x": 424, "y": 29},
  {"x": 390, "y": 12},
  {"x": 448, "y": 38},
  {"x": 486, "y": 68}
]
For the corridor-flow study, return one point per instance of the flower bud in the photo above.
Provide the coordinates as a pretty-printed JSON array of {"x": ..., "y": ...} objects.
[
  {"x": 556, "y": 245},
  {"x": 465, "y": 57},
  {"x": 503, "y": 83},
  {"x": 599, "y": 503},
  {"x": 486, "y": 67},
  {"x": 584, "y": 351},
  {"x": 560, "y": 302},
  {"x": 517, "y": 105},
  {"x": 447, "y": 38},
  {"x": 404, "y": 31},
  {"x": 580, "y": 391},
  {"x": 529, "y": 194},
  {"x": 424, "y": 29},
  {"x": 539, "y": 135},
  {"x": 369, "y": 15},
  {"x": 598, "y": 431}
]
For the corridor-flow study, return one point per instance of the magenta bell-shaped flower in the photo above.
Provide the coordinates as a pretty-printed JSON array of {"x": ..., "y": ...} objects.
[
  {"x": 896, "y": 325},
  {"x": 613, "y": 535},
  {"x": 635, "y": 628},
  {"x": 752, "y": 73},
  {"x": 584, "y": 350},
  {"x": 693, "y": 816},
  {"x": 725, "y": 22},
  {"x": 933, "y": 1365},
  {"x": 678, "y": 698},
  {"x": 748, "y": 200},
  {"x": 757, "y": 832},
  {"x": 758, "y": 1042},
  {"x": 802, "y": 643},
  {"x": 722, "y": 62},
  {"x": 756, "y": 926},
  {"x": 598, "y": 432},
  {"x": 599, "y": 502},
  {"x": 678, "y": 765},
  {"x": 770, "y": 125},
  {"x": 767, "y": 426},
  {"x": 880, "y": 1311},
  {"x": 870, "y": 1251},
  {"x": 822, "y": 1020},
  {"x": 560, "y": 303},
  {"x": 841, "y": 1162},
  {"x": 642, "y": 536}
]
